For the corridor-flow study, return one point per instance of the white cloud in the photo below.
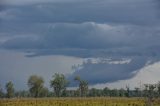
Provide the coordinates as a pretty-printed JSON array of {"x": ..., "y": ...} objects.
[{"x": 106, "y": 60}]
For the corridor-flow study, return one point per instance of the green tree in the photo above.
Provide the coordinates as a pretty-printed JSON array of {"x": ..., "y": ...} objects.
[
  {"x": 83, "y": 86},
  {"x": 114, "y": 93},
  {"x": 44, "y": 92},
  {"x": 22, "y": 93},
  {"x": 122, "y": 92},
  {"x": 1, "y": 92},
  {"x": 10, "y": 90},
  {"x": 93, "y": 92},
  {"x": 59, "y": 84},
  {"x": 35, "y": 84},
  {"x": 137, "y": 91},
  {"x": 128, "y": 91},
  {"x": 149, "y": 93},
  {"x": 96, "y": 92},
  {"x": 158, "y": 88},
  {"x": 106, "y": 91}
]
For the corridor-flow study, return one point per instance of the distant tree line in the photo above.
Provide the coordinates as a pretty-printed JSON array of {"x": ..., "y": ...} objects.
[{"x": 59, "y": 84}]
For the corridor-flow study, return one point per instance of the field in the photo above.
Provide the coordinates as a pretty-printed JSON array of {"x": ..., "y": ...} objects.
[{"x": 77, "y": 102}]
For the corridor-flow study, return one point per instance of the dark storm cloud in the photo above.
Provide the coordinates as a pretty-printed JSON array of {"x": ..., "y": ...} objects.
[
  {"x": 104, "y": 72},
  {"x": 91, "y": 28},
  {"x": 89, "y": 40},
  {"x": 140, "y": 44},
  {"x": 1, "y": 8},
  {"x": 124, "y": 12}
]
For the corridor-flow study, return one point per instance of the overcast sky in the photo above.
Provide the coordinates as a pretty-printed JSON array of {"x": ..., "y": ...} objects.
[{"x": 103, "y": 41}]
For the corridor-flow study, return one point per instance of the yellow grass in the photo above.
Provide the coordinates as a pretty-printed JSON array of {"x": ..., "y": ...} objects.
[{"x": 98, "y": 101}]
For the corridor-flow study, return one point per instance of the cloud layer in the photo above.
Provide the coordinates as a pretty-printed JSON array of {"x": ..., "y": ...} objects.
[
  {"x": 115, "y": 11},
  {"x": 89, "y": 40},
  {"x": 113, "y": 29}
]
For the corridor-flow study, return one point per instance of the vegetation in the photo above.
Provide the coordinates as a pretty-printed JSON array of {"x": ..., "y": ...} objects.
[
  {"x": 148, "y": 96},
  {"x": 98, "y": 101},
  {"x": 83, "y": 86},
  {"x": 10, "y": 90},
  {"x": 1, "y": 92},
  {"x": 59, "y": 84},
  {"x": 35, "y": 84}
]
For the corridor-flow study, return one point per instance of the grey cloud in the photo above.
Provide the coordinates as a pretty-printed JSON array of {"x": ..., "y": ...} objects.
[
  {"x": 16, "y": 43},
  {"x": 29, "y": 2},
  {"x": 102, "y": 72},
  {"x": 141, "y": 12},
  {"x": 106, "y": 28},
  {"x": 90, "y": 39},
  {"x": 141, "y": 44}
]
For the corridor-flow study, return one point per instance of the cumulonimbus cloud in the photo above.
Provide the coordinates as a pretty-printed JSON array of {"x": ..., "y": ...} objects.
[
  {"x": 85, "y": 40},
  {"x": 98, "y": 29}
]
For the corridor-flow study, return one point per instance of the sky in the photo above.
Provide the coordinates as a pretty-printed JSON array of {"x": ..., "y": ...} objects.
[{"x": 106, "y": 42}]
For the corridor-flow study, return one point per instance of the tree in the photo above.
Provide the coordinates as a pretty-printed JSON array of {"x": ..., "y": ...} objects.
[
  {"x": 128, "y": 91},
  {"x": 122, "y": 92},
  {"x": 83, "y": 86},
  {"x": 59, "y": 84},
  {"x": 149, "y": 93},
  {"x": 22, "y": 93},
  {"x": 35, "y": 84},
  {"x": 114, "y": 93},
  {"x": 1, "y": 92},
  {"x": 158, "y": 88},
  {"x": 93, "y": 92},
  {"x": 44, "y": 92},
  {"x": 96, "y": 92},
  {"x": 10, "y": 89},
  {"x": 106, "y": 91},
  {"x": 137, "y": 91}
]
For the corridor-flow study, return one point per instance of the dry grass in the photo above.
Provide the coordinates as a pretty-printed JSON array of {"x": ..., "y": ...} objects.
[{"x": 98, "y": 101}]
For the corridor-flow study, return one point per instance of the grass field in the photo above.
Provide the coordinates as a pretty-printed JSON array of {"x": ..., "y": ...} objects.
[{"x": 77, "y": 102}]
